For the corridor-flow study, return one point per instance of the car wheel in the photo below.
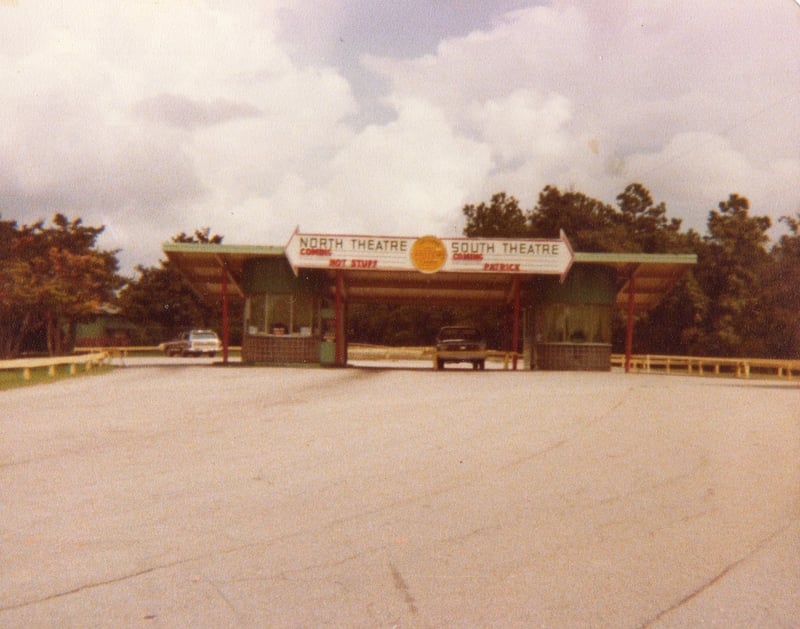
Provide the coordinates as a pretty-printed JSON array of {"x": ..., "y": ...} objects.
[
  {"x": 211, "y": 354},
  {"x": 481, "y": 365},
  {"x": 439, "y": 363}
]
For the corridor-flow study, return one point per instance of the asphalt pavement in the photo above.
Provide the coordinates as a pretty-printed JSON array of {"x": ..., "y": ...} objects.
[{"x": 177, "y": 493}]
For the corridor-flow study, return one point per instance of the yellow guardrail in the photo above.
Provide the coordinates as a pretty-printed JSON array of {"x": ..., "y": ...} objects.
[
  {"x": 86, "y": 361},
  {"x": 122, "y": 351},
  {"x": 710, "y": 365},
  {"x": 507, "y": 357},
  {"x": 640, "y": 363},
  {"x": 359, "y": 351}
]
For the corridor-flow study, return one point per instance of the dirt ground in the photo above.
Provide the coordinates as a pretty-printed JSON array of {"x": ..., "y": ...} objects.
[{"x": 177, "y": 493}]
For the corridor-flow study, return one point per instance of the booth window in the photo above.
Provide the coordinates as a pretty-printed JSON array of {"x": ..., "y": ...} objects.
[
  {"x": 267, "y": 313},
  {"x": 574, "y": 323}
]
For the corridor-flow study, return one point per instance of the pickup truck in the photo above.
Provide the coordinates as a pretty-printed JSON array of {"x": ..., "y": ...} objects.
[{"x": 460, "y": 344}]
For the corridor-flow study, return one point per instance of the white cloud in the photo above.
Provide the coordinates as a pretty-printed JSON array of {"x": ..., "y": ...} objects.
[
  {"x": 160, "y": 117},
  {"x": 523, "y": 125},
  {"x": 406, "y": 176},
  {"x": 697, "y": 170},
  {"x": 157, "y": 119},
  {"x": 624, "y": 79},
  {"x": 184, "y": 113}
]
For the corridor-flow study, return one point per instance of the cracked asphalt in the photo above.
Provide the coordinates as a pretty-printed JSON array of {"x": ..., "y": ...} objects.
[{"x": 176, "y": 493}]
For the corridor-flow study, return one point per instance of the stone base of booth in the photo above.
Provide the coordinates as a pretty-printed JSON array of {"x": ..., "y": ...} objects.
[
  {"x": 280, "y": 349},
  {"x": 573, "y": 356}
]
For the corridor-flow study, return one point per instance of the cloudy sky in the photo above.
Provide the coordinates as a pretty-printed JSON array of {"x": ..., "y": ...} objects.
[{"x": 387, "y": 116}]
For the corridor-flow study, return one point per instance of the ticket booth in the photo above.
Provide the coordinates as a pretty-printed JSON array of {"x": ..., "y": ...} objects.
[
  {"x": 283, "y": 313},
  {"x": 572, "y": 319}
]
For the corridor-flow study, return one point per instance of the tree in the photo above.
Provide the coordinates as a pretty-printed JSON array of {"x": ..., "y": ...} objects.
[
  {"x": 52, "y": 278},
  {"x": 17, "y": 303},
  {"x": 781, "y": 294},
  {"x": 502, "y": 218},
  {"x": 200, "y": 236},
  {"x": 675, "y": 325},
  {"x": 590, "y": 225},
  {"x": 732, "y": 260},
  {"x": 400, "y": 325},
  {"x": 161, "y": 303},
  {"x": 646, "y": 225}
]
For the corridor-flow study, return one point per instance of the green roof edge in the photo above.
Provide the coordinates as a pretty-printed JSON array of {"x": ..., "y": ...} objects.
[
  {"x": 635, "y": 258},
  {"x": 189, "y": 247}
]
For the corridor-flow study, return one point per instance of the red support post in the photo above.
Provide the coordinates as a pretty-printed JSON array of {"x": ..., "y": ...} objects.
[
  {"x": 340, "y": 328},
  {"x": 515, "y": 333},
  {"x": 225, "y": 320},
  {"x": 629, "y": 325}
]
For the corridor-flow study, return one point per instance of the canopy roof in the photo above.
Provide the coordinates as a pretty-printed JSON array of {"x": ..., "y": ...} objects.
[
  {"x": 205, "y": 265},
  {"x": 653, "y": 274}
]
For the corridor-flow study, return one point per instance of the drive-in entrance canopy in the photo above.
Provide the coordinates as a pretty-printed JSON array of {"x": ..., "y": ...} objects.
[{"x": 307, "y": 285}]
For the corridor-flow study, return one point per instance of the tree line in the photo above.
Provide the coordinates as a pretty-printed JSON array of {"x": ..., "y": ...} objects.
[{"x": 742, "y": 298}]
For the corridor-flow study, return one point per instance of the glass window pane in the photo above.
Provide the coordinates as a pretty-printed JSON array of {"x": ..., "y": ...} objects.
[
  {"x": 296, "y": 314},
  {"x": 573, "y": 323}
]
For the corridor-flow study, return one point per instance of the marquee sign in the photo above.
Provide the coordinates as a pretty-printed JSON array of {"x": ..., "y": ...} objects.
[{"x": 429, "y": 254}]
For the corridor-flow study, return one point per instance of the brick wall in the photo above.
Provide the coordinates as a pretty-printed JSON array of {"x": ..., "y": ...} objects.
[
  {"x": 280, "y": 349},
  {"x": 573, "y": 356}
]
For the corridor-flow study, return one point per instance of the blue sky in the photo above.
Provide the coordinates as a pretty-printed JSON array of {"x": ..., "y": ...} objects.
[
  {"x": 340, "y": 32},
  {"x": 387, "y": 117}
]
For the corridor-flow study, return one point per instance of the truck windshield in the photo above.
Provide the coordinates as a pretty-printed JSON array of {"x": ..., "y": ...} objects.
[{"x": 467, "y": 334}]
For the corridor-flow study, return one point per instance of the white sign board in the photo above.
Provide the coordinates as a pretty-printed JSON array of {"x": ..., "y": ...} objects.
[{"x": 429, "y": 254}]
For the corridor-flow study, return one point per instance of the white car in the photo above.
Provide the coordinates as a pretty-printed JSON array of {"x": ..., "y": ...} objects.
[{"x": 194, "y": 343}]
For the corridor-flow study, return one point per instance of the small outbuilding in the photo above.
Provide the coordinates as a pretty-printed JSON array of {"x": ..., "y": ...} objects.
[{"x": 106, "y": 329}]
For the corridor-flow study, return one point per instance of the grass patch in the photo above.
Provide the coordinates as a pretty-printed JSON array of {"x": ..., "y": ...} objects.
[{"x": 14, "y": 378}]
